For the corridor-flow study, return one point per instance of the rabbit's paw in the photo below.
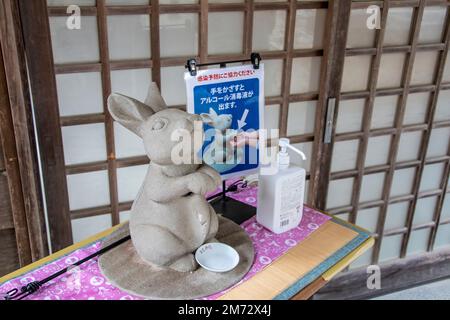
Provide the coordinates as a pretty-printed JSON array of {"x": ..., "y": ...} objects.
[
  {"x": 203, "y": 218},
  {"x": 212, "y": 240},
  {"x": 186, "y": 263},
  {"x": 201, "y": 183},
  {"x": 212, "y": 173}
]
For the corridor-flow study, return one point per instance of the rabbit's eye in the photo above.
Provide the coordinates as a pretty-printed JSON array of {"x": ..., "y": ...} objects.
[{"x": 158, "y": 124}]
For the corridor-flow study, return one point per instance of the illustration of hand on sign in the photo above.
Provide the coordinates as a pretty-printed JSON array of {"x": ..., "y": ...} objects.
[{"x": 246, "y": 138}]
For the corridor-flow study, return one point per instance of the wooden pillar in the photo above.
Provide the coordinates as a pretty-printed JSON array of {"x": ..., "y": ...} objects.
[
  {"x": 18, "y": 139},
  {"x": 37, "y": 42},
  {"x": 331, "y": 78}
]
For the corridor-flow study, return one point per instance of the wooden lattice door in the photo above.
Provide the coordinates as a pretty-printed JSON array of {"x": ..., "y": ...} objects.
[
  {"x": 386, "y": 159},
  {"x": 96, "y": 166}
]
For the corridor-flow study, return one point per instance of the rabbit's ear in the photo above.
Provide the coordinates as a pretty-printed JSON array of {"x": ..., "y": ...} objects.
[
  {"x": 206, "y": 118},
  {"x": 129, "y": 112},
  {"x": 154, "y": 98},
  {"x": 213, "y": 113}
]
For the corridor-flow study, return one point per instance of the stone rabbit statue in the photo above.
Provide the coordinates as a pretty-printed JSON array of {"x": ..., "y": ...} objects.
[{"x": 170, "y": 217}]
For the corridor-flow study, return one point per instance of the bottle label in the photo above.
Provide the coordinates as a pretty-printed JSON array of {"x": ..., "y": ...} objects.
[{"x": 291, "y": 190}]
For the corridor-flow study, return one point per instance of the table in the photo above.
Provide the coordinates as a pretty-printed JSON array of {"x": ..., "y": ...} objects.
[{"x": 298, "y": 274}]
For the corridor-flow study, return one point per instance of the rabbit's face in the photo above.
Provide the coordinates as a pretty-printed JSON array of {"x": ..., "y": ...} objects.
[
  {"x": 220, "y": 122},
  {"x": 161, "y": 130},
  {"x": 224, "y": 122}
]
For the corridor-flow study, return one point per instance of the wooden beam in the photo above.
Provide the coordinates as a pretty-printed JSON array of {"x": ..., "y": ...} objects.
[
  {"x": 331, "y": 78},
  {"x": 109, "y": 122},
  {"x": 395, "y": 49},
  {"x": 398, "y": 122},
  {"x": 397, "y": 275},
  {"x": 15, "y": 65},
  {"x": 61, "y": 11},
  {"x": 440, "y": 203},
  {"x": 310, "y": 290},
  {"x": 385, "y": 167},
  {"x": 367, "y": 114},
  {"x": 286, "y": 81},
  {"x": 2, "y": 159},
  {"x": 103, "y": 165},
  {"x": 155, "y": 43},
  {"x": 9, "y": 261},
  {"x": 181, "y": 61},
  {"x": 203, "y": 32},
  {"x": 13, "y": 192},
  {"x": 248, "y": 27},
  {"x": 97, "y": 211},
  {"x": 379, "y": 203},
  {"x": 431, "y": 110},
  {"x": 82, "y": 119}
]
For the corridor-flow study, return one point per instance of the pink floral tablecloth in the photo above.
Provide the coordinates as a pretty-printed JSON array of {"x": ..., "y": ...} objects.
[{"x": 88, "y": 283}]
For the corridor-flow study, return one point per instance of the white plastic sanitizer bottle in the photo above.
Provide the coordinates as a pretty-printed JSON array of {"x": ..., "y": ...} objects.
[{"x": 281, "y": 195}]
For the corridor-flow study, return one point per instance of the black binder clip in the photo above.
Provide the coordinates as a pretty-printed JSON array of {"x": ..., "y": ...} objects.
[
  {"x": 191, "y": 65},
  {"x": 256, "y": 60}
]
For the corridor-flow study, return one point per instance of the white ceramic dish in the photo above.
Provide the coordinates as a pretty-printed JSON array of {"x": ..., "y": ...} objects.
[{"x": 217, "y": 257}]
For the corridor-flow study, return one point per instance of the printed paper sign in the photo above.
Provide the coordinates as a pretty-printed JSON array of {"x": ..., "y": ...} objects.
[{"x": 231, "y": 104}]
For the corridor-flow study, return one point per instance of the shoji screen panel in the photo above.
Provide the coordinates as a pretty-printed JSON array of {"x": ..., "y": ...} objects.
[
  {"x": 390, "y": 164},
  {"x": 123, "y": 45},
  {"x": 302, "y": 90},
  {"x": 113, "y": 51}
]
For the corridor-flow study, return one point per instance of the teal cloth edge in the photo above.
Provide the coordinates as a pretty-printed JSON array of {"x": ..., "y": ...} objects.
[{"x": 327, "y": 264}]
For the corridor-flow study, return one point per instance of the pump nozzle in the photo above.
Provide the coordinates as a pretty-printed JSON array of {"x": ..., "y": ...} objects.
[{"x": 285, "y": 143}]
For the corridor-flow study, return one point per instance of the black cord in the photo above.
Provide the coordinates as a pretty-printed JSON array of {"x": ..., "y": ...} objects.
[
  {"x": 32, "y": 287},
  {"x": 231, "y": 188}
]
